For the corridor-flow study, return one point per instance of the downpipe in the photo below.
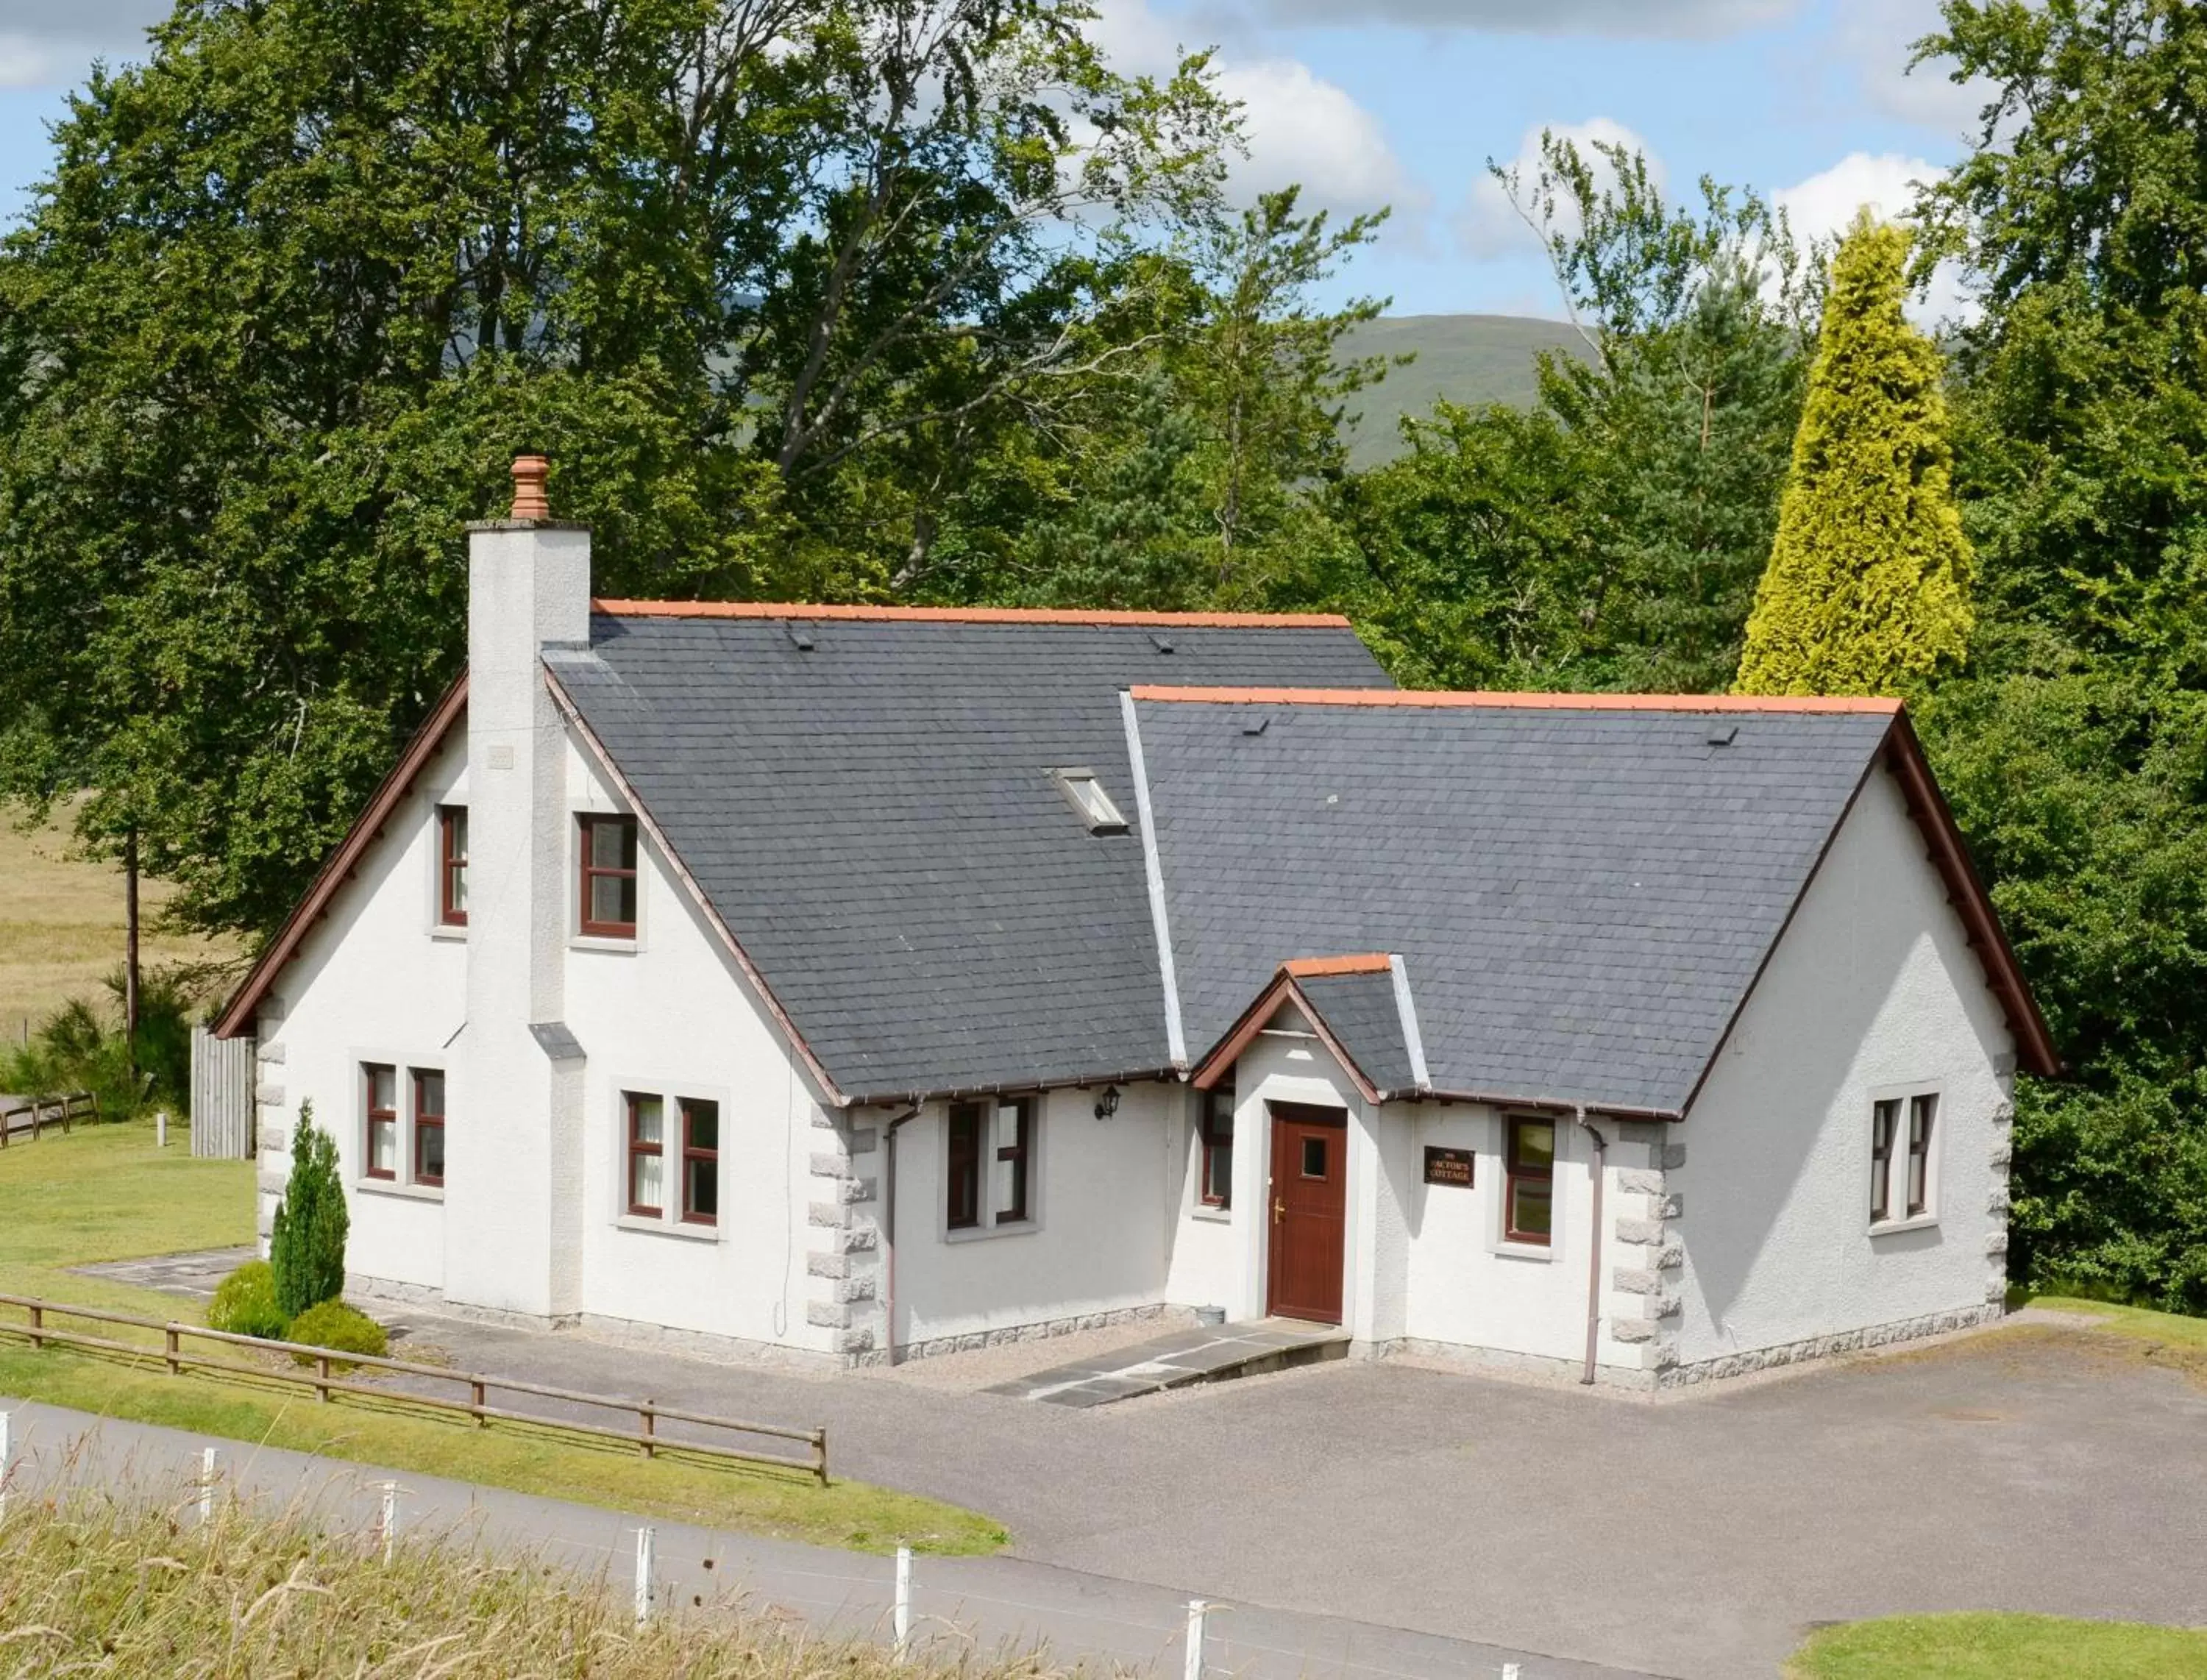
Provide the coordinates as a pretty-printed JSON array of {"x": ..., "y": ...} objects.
[
  {"x": 888, "y": 1229},
  {"x": 1593, "y": 1242}
]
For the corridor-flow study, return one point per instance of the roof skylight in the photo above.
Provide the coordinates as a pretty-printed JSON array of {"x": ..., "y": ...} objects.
[{"x": 1089, "y": 801}]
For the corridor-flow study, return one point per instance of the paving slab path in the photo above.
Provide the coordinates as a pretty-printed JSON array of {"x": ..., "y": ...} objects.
[
  {"x": 2035, "y": 1466},
  {"x": 961, "y": 1605},
  {"x": 1178, "y": 1359}
]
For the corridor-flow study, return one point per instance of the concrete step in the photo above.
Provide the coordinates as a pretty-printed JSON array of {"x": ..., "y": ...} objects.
[{"x": 1182, "y": 1359}]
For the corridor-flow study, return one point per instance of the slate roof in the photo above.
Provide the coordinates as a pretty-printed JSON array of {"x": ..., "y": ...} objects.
[
  {"x": 1361, "y": 1011},
  {"x": 1582, "y": 898},
  {"x": 875, "y": 822}
]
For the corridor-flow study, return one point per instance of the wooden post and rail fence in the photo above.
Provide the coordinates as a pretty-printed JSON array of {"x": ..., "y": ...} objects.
[
  {"x": 328, "y": 1378},
  {"x": 26, "y": 1116}
]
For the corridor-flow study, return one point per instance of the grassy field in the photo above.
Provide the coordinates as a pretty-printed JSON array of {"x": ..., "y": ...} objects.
[
  {"x": 1469, "y": 359},
  {"x": 2001, "y": 1647},
  {"x": 61, "y": 926},
  {"x": 121, "y": 1589},
  {"x": 106, "y": 1193}
]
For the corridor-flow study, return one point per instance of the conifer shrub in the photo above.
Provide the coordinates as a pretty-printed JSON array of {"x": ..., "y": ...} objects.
[
  {"x": 307, "y": 1248},
  {"x": 1865, "y": 591},
  {"x": 244, "y": 1303},
  {"x": 331, "y": 1323}
]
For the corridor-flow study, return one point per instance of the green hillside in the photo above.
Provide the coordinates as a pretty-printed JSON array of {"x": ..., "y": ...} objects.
[{"x": 1469, "y": 359}]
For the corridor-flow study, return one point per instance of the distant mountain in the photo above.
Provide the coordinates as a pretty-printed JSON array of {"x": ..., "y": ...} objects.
[{"x": 1469, "y": 359}]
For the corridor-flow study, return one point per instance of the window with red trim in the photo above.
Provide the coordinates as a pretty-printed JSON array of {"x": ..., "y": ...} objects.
[
  {"x": 1922, "y": 1108},
  {"x": 607, "y": 849},
  {"x": 452, "y": 865},
  {"x": 647, "y": 1154},
  {"x": 1528, "y": 1192},
  {"x": 1216, "y": 1185},
  {"x": 1884, "y": 1122},
  {"x": 1015, "y": 1154},
  {"x": 964, "y": 1178},
  {"x": 701, "y": 1162},
  {"x": 428, "y": 1126},
  {"x": 381, "y": 1081}
]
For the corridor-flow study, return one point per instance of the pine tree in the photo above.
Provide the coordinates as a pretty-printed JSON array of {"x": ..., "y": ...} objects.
[
  {"x": 1864, "y": 592},
  {"x": 307, "y": 1248}
]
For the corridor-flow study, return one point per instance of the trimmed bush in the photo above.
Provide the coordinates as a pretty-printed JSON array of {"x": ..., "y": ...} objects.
[
  {"x": 331, "y": 1323},
  {"x": 244, "y": 1303},
  {"x": 308, "y": 1247}
]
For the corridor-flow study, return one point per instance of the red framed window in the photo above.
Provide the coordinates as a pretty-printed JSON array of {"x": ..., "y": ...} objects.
[
  {"x": 701, "y": 1162},
  {"x": 964, "y": 1177},
  {"x": 428, "y": 1126},
  {"x": 1529, "y": 1190},
  {"x": 1014, "y": 1157},
  {"x": 452, "y": 865},
  {"x": 1216, "y": 1185},
  {"x": 1922, "y": 1110},
  {"x": 381, "y": 1081},
  {"x": 1884, "y": 1122},
  {"x": 607, "y": 849},
  {"x": 647, "y": 1155}
]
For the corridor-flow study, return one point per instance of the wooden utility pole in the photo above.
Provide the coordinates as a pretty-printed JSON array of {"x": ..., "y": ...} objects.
[{"x": 130, "y": 950}]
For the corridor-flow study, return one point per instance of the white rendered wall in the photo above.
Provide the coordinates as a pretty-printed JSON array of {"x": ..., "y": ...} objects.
[
  {"x": 672, "y": 1016},
  {"x": 1470, "y": 1288},
  {"x": 1098, "y": 1242},
  {"x": 1205, "y": 1266},
  {"x": 375, "y": 982},
  {"x": 1874, "y": 986}
]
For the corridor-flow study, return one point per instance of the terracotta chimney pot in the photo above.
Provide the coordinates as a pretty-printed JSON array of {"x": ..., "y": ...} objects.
[{"x": 528, "y": 499}]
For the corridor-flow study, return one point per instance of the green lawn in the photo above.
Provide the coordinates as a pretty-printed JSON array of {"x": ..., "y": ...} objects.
[
  {"x": 106, "y": 1193},
  {"x": 1987, "y": 1646},
  {"x": 2172, "y": 1328}
]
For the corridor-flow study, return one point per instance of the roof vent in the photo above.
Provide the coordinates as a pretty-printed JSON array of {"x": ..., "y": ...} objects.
[
  {"x": 1724, "y": 737},
  {"x": 1258, "y": 727},
  {"x": 800, "y": 638},
  {"x": 1089, "y": 801},
  {"x": 1161, "y": 642}
]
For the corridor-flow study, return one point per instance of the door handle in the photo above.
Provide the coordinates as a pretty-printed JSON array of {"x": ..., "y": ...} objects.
[{"x": 1279, "y": 1210}]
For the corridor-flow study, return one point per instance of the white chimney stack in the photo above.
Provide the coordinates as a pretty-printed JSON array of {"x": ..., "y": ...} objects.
[{"x": 513, "y": 1169}]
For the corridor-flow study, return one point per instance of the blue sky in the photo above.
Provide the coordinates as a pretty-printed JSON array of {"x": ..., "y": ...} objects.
[{"x": 1402, "y": 102}]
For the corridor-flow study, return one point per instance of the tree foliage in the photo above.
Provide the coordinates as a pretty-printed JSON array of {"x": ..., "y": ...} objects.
[
  {"x": 306, "y": 1246},
  {"x": 1612, "y": 538},
  {"x": 772, "y": 281},
  {"x": 1866, "y": 589},
  {"x": 2075, "y": 749}
]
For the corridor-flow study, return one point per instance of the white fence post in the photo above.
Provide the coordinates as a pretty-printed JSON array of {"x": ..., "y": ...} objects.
[
  {"x": 903, "y": 1621},
  {"x": 1196, "y": 1607},
  {"x": 643, "y": 1548},
  {"x": 161, "y": 1128},
  {"x": 1511, "y": 1671},
  {"x": 207, "y": 1484},
  {"x": 390, "y": 1520}
]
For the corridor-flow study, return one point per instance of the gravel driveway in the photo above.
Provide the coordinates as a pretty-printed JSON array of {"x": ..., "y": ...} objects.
[{"x": 2037, "y": 1466}]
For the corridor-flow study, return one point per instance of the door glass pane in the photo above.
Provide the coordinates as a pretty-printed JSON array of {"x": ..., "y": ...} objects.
[{"x": 1313, "y": 1158}]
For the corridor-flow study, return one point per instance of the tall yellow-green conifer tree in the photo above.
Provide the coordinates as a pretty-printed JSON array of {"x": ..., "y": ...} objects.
[{"x": 1866, "y": 589}]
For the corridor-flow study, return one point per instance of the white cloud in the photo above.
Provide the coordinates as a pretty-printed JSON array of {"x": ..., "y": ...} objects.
[
  {"x": 52, "y": 43},
  {"x": 1885, "y": 185},
  {"x": 1642, "y": 18},
  {"x": 1300, "y": 128},
  {"x": 1878, "y": 38},
  {"x": 1488, "y": 223}
]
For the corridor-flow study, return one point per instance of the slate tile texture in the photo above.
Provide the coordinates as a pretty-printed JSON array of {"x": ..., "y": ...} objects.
[{"x": 1581, "y": 899}]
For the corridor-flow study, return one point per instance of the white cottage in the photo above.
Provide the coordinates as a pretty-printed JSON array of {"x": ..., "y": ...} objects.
[{"x": 837, "y": 983}]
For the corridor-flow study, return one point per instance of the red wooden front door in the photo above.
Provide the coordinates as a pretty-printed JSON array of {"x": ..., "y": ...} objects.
[{"x": 1310, "y": 1203}]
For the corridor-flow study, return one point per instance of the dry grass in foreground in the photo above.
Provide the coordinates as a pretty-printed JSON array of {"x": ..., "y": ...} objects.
[{"x": 90, "y": 1582}]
